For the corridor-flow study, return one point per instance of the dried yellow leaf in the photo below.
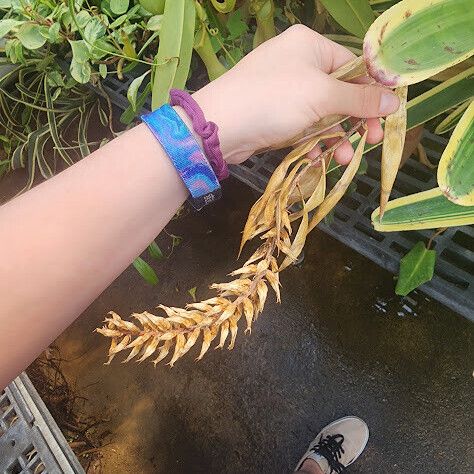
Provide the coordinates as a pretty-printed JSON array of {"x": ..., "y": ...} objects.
[
  {"x": 224, "y": 333},
  {"x": 192, "y": 338},
  {"x": 248, "y": 269},
  {"x": 132, "y": 354},
  {"x": 233, "y": 330},
  {"x": 139, "y": 341},
  {"x": 341, "y": 186},
  {"x": 262, "y": 291},
  {"x": 164, "y": 351},
  {"x": 179, "y": 345},
  {"x": 248, "y": 312},
  {"x": 109, "y": 332},
  {"x": 111, "y": 354},
  {"x": 274, "y": 282},
  {"x": 257, "y": 255},
  {"x": 121, "y": 345},
  {"x": 208, "y": 335},
  {"x": 199, "y": 306},
  {"x": 392, "y": 149},
  {"x": 307, "y": 183},
  {"x": 229, "y": 311},
  {"x": 298, "y": 243},
  {"x": 150, "y": 348}
]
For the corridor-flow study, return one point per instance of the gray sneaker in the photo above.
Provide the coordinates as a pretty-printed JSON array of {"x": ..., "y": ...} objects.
[{"x": 338, "y": 445}]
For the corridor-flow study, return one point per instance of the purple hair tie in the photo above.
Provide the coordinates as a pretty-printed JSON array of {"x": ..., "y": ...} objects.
[{"x": 206, "y": 130}]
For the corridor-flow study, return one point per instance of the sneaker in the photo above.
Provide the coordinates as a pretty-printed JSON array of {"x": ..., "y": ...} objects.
[{"x": 338, "y": 445}]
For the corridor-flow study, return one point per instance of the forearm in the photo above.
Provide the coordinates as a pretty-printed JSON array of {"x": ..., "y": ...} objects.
[
  {"x": 62, "y": 243},
  {"x": 66, "y": 240}
]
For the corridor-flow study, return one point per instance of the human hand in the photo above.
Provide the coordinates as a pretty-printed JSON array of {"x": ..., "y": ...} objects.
[{"x": 282, "y": 88}]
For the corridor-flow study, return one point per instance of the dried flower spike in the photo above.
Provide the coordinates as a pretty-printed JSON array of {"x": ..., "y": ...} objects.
[{"x": 298, "y": 180}]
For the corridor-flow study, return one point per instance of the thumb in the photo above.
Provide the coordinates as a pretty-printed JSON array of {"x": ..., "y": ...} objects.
[{"x": 360, "y": 100}]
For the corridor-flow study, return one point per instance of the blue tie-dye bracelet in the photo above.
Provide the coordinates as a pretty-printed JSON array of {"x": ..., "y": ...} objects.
[{"x": 186, "y": 155}]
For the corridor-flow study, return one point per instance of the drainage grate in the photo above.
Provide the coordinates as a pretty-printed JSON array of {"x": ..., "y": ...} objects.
[
  {"x": 453, "y": 282},
  {"x": 30, "y": 440}
]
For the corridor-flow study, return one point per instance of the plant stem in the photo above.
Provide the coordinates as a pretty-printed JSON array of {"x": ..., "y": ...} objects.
[{"x": 203, "y": 47}]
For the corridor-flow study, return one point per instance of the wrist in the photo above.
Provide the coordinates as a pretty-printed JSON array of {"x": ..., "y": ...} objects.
[{"x": 232, "y": 143}]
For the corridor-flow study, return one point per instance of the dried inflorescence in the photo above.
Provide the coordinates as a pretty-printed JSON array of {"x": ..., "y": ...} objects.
[
  {"x": 296, "y": 190},
  {"x": 293, "y": 203}
]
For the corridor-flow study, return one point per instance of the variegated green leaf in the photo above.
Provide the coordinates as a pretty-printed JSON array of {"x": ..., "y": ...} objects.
[{"x": 416, "y": 39}]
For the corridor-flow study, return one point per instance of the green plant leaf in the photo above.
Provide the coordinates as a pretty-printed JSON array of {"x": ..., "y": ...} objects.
[
  {"x": 93, "y": 30},
  {"x": 236, "y": 25},
  {"x": 54, "y": 126},
  {"x": 7, "y": 25},
  {"x": 174, "y": 52},
  {"x": 119, "y": 21},
  {"x": 53, "y": 32},
  {"x": 133, "y": 90},
  {"x": 363, "y": 166},
  {"x": 455, "y": 169},
  {"x": 145, "y": 271},
  {"x": 30, "y": 36},
  {"x": 81, "y": 19},
  {"x": 84, "y": 116},
  {"x": 452, "y": 119},
  {"x": 354, "y": 15},
  {"x": 128, "y": 114},
  {"x": 119, "y": 6},
  {"x": 416, "y": 268},
  {"x": 104, "y": 119},
  {"x": 81, "y": 72},
  {"x": 417, "y": 39},
  {"x": 155, "y": 251},
  {"x": 56, "y": 94},
  {"x": 192, "y": 292},
  {"x": 155, "y": 7},
  {"x": 80, "y": 53},
  {"x": 154, "y": 23},
  {"x": 424, "y": 210},
  {"x": 6, "y": 3},
  {"x": 80, "y": 66},
  {"x": 103, "y": 70}
]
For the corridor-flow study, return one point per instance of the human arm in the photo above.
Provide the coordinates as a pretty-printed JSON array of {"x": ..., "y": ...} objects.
[{"x": 65, "y": 241}]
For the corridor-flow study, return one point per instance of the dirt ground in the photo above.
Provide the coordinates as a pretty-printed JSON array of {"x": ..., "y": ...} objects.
[{"x": 340, "y": 343}]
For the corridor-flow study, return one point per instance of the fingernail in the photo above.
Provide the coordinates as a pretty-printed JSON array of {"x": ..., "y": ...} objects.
[{"x": 388, "y": 103}]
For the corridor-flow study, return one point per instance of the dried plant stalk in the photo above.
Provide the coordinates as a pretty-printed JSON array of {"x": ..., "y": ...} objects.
[
  {"x": 392, "y": 150},
  {"x": 297, "y": 180}
]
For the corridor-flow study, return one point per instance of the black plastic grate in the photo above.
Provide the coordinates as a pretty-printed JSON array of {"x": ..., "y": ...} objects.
[
  {"x": 30, "y": 441},
  {"x": 453, "y": 282}
]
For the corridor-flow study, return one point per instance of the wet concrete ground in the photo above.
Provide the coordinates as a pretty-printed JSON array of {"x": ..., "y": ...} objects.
[
  {"x": 335, "y": 346},
  {"x": 340, "y": 343}
]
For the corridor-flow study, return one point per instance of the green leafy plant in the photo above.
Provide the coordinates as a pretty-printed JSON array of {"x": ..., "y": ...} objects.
[
  {"x": 77, "y": 43},
  {"x": 37, "y": 111}
]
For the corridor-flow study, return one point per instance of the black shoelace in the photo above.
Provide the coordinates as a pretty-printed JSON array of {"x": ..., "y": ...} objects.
[{"x": 331, "y": 448}]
